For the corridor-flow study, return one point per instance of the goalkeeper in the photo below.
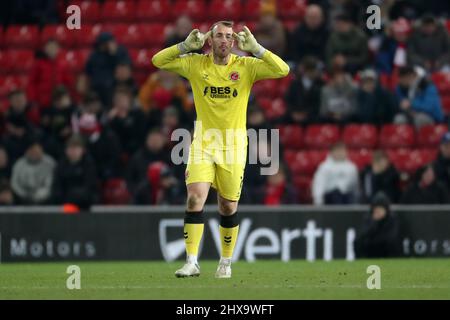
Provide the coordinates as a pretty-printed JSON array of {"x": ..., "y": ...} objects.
[{"x": 221, "y": 84}]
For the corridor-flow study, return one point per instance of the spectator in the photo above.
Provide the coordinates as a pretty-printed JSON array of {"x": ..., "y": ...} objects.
[
  {"x": 270, "y": 31},
  {"x": 6, "y": 194},
  {"x": 183, "y": 26},
  {"x": 256, "y": 118},
  {"x": 347, "y": 45},
  {"x": 426, "y": 189},
  {"x": 47, "y": 73},
  {"x": 308, "y": 39},
  {"x": 442, "y": 163},
  {"x": 102, "y": 63},
  {"x": 338, "y": 98},
  {"x": 56, "y": 121},
  {"x": 170, "y": 122},
  {"x": 375, "y": 104},
  {"x": 128, "y": 123},
  {"x": 101, "y": 142},
  {"x": 160, "y": 186},
  {"x": 252, "y": 190},
  {"x": 20, "y": 107},
  {"x": 278, "y": 190},
  {"x": 5, "y": 165},
  {"x": 123, "y": 78},
  {"x": 75, "y": 180},
  {"x": 418, "y": 99},
  {"x": 379, "y": 237},
  {"x": 429, "y": 45},
  {"x": 392, "y": 52},
  {"x": 32, "y": 175},
  {"x": 303, "y": 95},
  {"x": 380, "y": 176},
  {"x": 153, "y": 150},
  {"x": 18, "y": 127},
  {"x": 336, "y": 179},
  {"x": 162, "y": 89}
]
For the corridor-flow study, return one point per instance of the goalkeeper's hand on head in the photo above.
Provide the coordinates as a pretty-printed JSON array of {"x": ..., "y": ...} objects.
[
  {"x": 194, "y": 41},
  {"x": 247, "y": 42}
]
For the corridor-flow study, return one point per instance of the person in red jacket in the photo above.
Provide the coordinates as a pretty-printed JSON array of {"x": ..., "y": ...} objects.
[{"x": 47, "y": 73}]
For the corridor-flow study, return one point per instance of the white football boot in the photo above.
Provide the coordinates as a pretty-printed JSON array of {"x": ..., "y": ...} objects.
[
  {"x": 188, "y": 270},
  {"x": 224, "y": 269}
]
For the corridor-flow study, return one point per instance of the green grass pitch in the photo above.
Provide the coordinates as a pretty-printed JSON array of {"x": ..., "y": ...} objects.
[{"x": 267, "y": 280}]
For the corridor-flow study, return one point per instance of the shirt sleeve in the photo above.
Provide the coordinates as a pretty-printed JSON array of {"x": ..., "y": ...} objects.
[
  {"x": 269, "y": 66},
  {"x": 170, "y": 59}
]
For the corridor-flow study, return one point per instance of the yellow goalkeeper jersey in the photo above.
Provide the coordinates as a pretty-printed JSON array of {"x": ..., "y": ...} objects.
[{"x": 221, "y": 92}]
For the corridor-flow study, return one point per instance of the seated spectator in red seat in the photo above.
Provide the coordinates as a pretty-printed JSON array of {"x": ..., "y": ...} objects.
[
  {"x": 442, "y": 163},
  {"x": 75, "y": 179},
  {"x": 379, "y": 236},
  {"x": 56, "y": 121},
  {"x": 347, "y": 45},
  {"x": 47, "y": 73},
  {"x": 5, "y": 165},
  {"x": 270, "y": 31},
  {"x": 278, "y": 190},
  {"x": 123, "y": 78},
  {"x": 32, "y": 175},
  {"x": 308, "y": 38},
  {"x": 18, "y": 127},
  {"x": 153, "y": 150},
  {"x": 375, "y": 104},
  {"x": 6, "y": 194},
  {"x": 128, "y": 123},
  {"x": 429, "y": 45},
  {"x": 183, "y": 26},
  {"x": 426, "y": 189},
  {"x": 102, "y": 63},
  {"x": 418, "y": 99},
  {"x": 392, "y": 53},
  {"x": 21, "y": 107},
  {"x": 160, "y": 187},
  {"x": 336, "y": 179},
  {"x": 338, "y": 98},
  {"x": 303, "y": 95},
  {"x": 100, "y": 141},
  {"x": 380, "y": 176}
]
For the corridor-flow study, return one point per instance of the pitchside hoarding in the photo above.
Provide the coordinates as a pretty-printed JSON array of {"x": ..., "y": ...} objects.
[{"x": 134, "y": 233}]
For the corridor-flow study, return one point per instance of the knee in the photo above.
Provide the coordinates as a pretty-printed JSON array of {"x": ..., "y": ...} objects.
[
  {"x": 194, "y": 202},
  {"x": 227, "y": 208}
]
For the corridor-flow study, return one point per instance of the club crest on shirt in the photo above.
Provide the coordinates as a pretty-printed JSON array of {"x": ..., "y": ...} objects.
[{"x": 234, "y": 76}]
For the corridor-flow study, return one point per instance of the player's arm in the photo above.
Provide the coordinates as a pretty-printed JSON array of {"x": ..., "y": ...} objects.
[
  {"x": 268, "y": 65},
  {"x": 172, "y": 58}
]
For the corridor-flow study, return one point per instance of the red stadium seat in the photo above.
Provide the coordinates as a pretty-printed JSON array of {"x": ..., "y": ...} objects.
[
  {"x": 360, "y": 136},
  {"x": 154, "y": 34},
  {"x": 409, "y": 160},
  {"x": 90, "y": 11},
  {"x": 76, "y": 59},
  {"x": 292, "y": 9},
  {"x": 266, "y": 88},
  {"x": 86, "y": 36},
  {"x": 65, "y": 37},
  {"x": 397, "y": 136},
  {"x": 142, "y": 59},
  {"x": 284, "y": 84},
  {"x": 155, "y": 10},
  {"x": 9, "y": 83},
  {"x": 430, "y": 136},
  {"x": 360, "y": 157},
  {"x": 306, "y": 162},
  {"x": 273, "y": 109},
  {"x": 115, "y": 192},
  {"x": 442, "y": 81},
  {"x": 126, "y": 34},
  {"x": 118, "y": 11},
  {"x": 224, "y": 10},
  {"x": 321, "y": 136},
  {"x": 21, "y": 37},
  {"x": 446, "y": 105},
  {"x": 16, "y": 61},
  {"x": 290, "y": 25},
  {"x": 303, "y": 185},
  {"x": 291, "y": 136},
  {"x": 195, "y": 9},
  {"x": 252, "y": 9}
]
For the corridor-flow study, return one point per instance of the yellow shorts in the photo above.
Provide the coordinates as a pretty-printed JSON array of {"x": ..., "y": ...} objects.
[{"x": 223, "y": 169}]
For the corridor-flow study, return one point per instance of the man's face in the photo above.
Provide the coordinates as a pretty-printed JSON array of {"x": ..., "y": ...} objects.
[
  {"x": 221, "y": 41},
  {"x": 368, "y": 85},
  {"x": 445, "y": 150},
  {"x": 18, "y": 102},
  {"x": 406, "y": 80},
  {"x": 123, "y": 72},
  {"x": 122, "y": 101},
  {"x": 74, "y": 153},
  {"x": 339, "y": 154},
  {"x": 155, "y": 142},
  {"x": 313, "y": 17},
  {"x": 378, "y": 213},
  {"x": 183, "y": 26},
  {"x": 52, "y": 49},
  {"x": 428, "y": 29},
  {"x": 343, "y": 26},
  {"x": 34, "y": 153}
]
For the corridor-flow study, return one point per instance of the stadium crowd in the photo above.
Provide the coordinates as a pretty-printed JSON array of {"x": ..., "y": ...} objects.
[{"x": 102, "y": 134}]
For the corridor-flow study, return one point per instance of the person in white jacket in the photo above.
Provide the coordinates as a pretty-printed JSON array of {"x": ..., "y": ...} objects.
[{"x": 336, "y": 179}]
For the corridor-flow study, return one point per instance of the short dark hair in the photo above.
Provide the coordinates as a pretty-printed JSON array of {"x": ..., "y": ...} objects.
[
  {"x": 405, "y": 71},
  {"x": 75, "y": 140},
  {"x": 338, "y": 145}
]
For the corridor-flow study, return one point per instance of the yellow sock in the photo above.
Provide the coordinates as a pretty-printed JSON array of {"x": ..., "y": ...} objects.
[
  {"x": 228, "y": 229},
  {"x": 192, "y": 235}
]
